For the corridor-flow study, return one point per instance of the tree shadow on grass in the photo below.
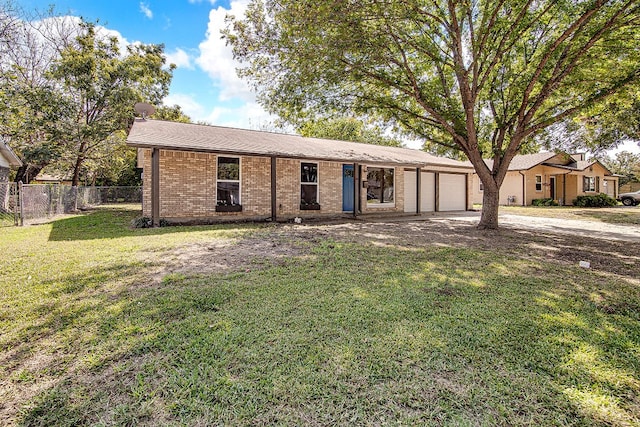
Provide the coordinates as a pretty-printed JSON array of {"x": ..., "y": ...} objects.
[{"x": 112, "y": 223}]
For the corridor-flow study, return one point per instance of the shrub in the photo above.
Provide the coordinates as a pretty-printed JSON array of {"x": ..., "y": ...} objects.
[
  {"x": 598, "y": 201},
  {"x": 142, "y": 222},
  {"x": 544, "y": 202},
  {"x": 146, "y": 222}
]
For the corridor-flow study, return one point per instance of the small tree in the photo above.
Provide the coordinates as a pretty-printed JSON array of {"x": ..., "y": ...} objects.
[
  {"x": 482, "y": 77},
  {"x": 171, "y": 113}
]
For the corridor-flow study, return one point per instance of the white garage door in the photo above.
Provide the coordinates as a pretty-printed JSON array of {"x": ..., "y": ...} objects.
[
  {"x": 427, "y": 192},
  {"x": 453, "y": 192},
  {"x": 410, "y": 191},
  {"x": 609, "y": 188}
]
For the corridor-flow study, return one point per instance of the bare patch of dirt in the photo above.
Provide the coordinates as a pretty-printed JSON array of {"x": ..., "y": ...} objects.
[{"x": 278, "y": 243}]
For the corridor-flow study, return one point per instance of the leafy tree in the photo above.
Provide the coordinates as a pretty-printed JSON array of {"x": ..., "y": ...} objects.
[
  {"x": 98, "y": 88},
  {"x": 625, "y": 164},
  {"x": 347, "y": 129},
  {"x": 483, "y": 77}
]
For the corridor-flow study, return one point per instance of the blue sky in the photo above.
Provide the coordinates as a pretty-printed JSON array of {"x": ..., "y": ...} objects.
[{"x": 204, "y": 84}]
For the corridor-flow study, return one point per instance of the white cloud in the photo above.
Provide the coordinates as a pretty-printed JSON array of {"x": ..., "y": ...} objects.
[
  {"x": 144, "y": 8},
  {"x": 216, "y": 58},
  {"x": 189, "y": 105},
  {"x": 248, "y": 116},
  {"x": 629, "y": 145},
  {"x": 180, "y": 58}
]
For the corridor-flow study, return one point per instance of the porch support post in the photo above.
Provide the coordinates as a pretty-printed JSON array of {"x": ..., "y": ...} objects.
[
  {"x": 418, "y": 184},
  {"x": 467, "y": 193},
  {"x": 155, "y": 187},
  {"x": 274, "y": 203},
  {"x": 356, "y": 190},
  {"x": 524, "y": 194},
  {"x": 564, "y": 189},
  {"x": 437, "y": 191}
]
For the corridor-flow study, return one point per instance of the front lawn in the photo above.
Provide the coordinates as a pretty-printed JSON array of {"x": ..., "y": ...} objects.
[{"x": 410, "y": 323}]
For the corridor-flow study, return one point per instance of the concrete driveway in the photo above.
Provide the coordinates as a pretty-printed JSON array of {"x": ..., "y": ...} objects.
[{"x": 595, "y": 229}]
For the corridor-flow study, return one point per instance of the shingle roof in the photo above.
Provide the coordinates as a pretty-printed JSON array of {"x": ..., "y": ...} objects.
[
  {"x": 581, "y": 165},
  {"x": 525, "y": 161},
  {"x": 9, "y": 155},
  {"x": 205, "y": 138}
]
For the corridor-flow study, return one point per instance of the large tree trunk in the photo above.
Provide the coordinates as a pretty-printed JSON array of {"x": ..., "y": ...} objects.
[
  {"x": 490, "y": 205},
  {"x": 78, "y": 164},
  {"x": 27, "y": 173}
]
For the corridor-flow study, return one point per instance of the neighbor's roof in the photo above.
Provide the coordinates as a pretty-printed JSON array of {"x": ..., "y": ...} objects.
[
  {"x": 216, "y": 139},
  {"x": 9, "y": 155},
  {"x": 526, "y": 161},
  {"x": 581, "y": 165}
]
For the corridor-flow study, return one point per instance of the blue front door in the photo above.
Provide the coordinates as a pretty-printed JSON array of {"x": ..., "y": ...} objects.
[{"x": 347, "y": 188}]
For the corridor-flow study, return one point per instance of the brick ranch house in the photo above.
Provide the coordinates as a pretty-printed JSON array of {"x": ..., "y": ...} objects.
[
  {"x": 559, "y": 176},
  {"x": 197, "y": 173}
]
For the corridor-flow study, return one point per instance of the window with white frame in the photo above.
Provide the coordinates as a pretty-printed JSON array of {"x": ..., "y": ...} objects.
[
  {"x": 380, "y": 185},
  {"x": 538, "y": 182},
  {"x": 589, "y": 183},
  {"x": 228, "y": 181},
  {"x": 308, "y": 184}
]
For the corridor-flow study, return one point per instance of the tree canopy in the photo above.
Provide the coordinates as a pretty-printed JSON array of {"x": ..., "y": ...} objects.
[
  {"x": 480, "y": 76},
  {"x": 347, "y": 129},
  {"x": 625, "y": 164}
]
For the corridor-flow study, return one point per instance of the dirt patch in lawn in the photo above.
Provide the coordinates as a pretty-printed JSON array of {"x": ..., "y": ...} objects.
[{"x": 284, "y": 242}]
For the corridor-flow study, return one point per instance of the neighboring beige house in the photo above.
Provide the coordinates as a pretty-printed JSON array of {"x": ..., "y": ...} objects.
[
  {"x": 52, "y": 177},
  {"x": 198, "y": 173},
  {"x": 559, "y": 176}
]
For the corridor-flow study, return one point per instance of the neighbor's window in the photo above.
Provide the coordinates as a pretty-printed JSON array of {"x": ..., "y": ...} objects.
[
  {"x": 481, "y": 186},
  {"x": 380, "y": 185},
  {"x": 538, "y": 182},
  {"x": 308, "y": 183},
  {"x": 589, "y": 183},
  {"x": 228, "y": 182}
]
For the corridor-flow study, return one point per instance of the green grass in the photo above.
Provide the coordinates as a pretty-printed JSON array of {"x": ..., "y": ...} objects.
[{"x": 343, "y": 333}]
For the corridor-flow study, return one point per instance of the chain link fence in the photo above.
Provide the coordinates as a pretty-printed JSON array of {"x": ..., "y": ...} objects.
[
  {"x": 24, "y": 203},
  {"x": 9, "y": 212}
]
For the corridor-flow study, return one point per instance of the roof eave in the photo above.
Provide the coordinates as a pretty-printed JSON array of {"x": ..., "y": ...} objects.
[
  {"x": 13, "y": 159},
  {"x": 297, "y": 156}
]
